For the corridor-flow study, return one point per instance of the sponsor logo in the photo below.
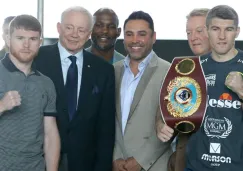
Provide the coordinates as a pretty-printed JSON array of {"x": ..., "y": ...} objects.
[
  {"x": 217, "y": 128},
  {"x": 225, "y": 101},
  {"x": 215, "y": 148},
  {"x": 183, "y": 95},
  {"x": 215, "y": 160},
  {"x": 240, "y": 61},
  {"x": 204, "y": 60},
  {"x": 210, "y": 79}
]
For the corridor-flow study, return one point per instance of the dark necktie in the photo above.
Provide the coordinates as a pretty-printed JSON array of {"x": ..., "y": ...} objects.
[{"x": 72, "y": 86}]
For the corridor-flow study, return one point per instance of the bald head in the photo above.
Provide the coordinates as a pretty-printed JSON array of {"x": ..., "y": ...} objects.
[
  {"x": 106, "y": 11},
  {"x": 105, "y": 30}
]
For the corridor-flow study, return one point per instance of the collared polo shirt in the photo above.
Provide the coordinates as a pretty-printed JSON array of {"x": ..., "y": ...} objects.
[{"x": 22, "y": 128}]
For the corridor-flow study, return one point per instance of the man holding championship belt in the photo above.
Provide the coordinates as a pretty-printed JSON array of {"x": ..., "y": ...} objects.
[
  {"x": 199, "y": 44},
  {"x": 217, "y": 145}
]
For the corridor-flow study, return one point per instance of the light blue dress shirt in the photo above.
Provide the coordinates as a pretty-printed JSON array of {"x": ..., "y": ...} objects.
[
  {"x": 129, "y": 85},
  {"x": 66, "y": 62}
]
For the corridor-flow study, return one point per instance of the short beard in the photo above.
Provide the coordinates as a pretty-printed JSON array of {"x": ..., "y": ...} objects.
[
  {"x": 104, "y": 49},
  {"x": 17, "y": 56}
]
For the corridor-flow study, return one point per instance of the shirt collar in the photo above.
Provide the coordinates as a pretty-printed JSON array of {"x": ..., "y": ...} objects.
[
  {"x": 64, "y": 54},
  {"x": 9, "y": 65},
  {"x": 142, "y": 64}
]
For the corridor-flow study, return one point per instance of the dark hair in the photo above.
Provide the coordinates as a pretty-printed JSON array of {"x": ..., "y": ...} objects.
[
  {"x": 223, "y": 12},
  {"x": 140, "y": 15},
  {"x": 26, "y": 22}
]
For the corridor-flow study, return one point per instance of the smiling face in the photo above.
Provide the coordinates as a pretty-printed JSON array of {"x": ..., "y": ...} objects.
[
  {"x": 74, "y": 31},
  {"x": 138, "y": 39},
  {"x": 197, "y": 35},
  {"x": 222, "y": 34},
  {"x": 105, "y": 31}
]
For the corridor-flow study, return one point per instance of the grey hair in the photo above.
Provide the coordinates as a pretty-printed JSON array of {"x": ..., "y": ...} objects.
[
  {"x": 81, "y": 10},
  {"x": 198, "y": 12}
]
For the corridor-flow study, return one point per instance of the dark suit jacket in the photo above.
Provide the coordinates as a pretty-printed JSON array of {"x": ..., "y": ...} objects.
[{"x": 88, "y": 139}]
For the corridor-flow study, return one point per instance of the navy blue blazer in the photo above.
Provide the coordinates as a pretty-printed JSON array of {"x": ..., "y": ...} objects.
[{"x": 88, "y": 139}]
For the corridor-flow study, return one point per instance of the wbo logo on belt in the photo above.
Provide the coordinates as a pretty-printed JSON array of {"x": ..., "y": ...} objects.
[{"x": 183, "y": 95}]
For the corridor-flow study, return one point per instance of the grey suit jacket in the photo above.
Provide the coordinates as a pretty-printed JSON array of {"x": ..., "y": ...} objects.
[
  {"x": 140, "y": 140},
  {"x": 116, "y": 57}
]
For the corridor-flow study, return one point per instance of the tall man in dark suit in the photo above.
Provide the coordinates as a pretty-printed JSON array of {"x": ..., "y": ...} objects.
[{"x": 85, "y": 88}]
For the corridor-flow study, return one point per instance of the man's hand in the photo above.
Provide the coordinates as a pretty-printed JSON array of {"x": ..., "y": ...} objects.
[
  {"x": 234, "y": 82},
  {"x": 10, "y": 100},
  {"x": 119, "y": 165},
  {"x": 132, "y": 165},
  {"x": 164, "y": 132}
]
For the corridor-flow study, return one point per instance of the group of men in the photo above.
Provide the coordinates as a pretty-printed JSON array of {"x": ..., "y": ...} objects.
[
  {"x": 216, "y": 145},
  {"x": 67, "y": 108}
]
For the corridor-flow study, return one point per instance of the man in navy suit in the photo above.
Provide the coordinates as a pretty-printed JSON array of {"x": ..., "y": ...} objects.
[{"x": 85, "y": 88}]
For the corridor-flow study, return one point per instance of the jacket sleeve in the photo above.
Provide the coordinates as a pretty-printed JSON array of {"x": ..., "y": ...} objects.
[
  {"x": 118, "y": 152},
  {"x": 152, "y": 149}
]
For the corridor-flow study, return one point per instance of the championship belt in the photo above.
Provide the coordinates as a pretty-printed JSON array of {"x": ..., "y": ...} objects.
[{"x": 183, "y": 96}]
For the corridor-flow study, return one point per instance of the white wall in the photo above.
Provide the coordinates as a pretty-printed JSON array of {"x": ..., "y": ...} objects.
[{"x": 169, "y": 19}]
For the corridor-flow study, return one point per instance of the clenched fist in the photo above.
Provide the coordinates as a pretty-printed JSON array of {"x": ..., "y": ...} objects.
[
  {"x": 10, "y": 100},
  {"x": 234, "y": 81}
]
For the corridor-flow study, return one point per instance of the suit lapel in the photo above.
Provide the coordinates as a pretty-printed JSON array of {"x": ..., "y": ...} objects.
[
  {"x": 143, "y": 83},
  {"x": 119, "y": 76},
  {"x": 58, "y": 76}
]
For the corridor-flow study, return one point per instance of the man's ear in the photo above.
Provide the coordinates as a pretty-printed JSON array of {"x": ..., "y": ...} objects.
[
  {"x": 59, "y": 27},
  {"x": 238, "y": 32},
  {"x": 118, "y": 32},
  {"x": 41, "y": 40},
  {"x": 205, "y": 31},
  {"x": 154, "y": 37}
]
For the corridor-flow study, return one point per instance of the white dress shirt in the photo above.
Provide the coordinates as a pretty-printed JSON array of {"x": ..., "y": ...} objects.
[
  {"x": 66, "y": 62},
  {"x": 129, "y": 86}
]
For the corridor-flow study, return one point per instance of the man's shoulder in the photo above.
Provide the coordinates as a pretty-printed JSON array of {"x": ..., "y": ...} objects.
[
  {"x": 205, "y": 56},
  {"x": 46, "y": 48},
  {"x": 204, "y": 59},
  {"x": 46, "y": 53},
  {"x": 118, "y": 64},
  {"x": 3, "y": 70},
  {"x": 99, "y": 62},
  {"x": 163, "y": 62},
  {"x": 240, "y": 53},
  {"x": 88, "y": 49},
  {"x": 45, "y": 79},
  {"x": 2, "y": 53},
  {"x": 118, "y": 56}
]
